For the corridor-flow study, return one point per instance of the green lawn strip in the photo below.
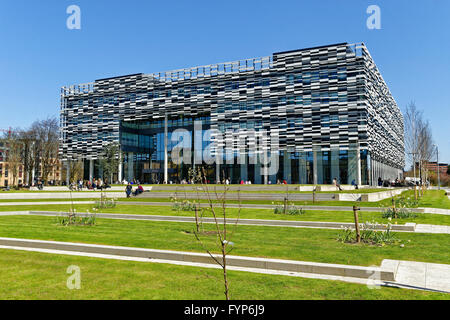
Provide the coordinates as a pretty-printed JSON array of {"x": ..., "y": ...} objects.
[
  {"x": 40, "y": 276},
  {"x": 246, "y": 213},
  {"x": 434, "y": 199},
  {"x": 139, "y": 199},
  {"x": 318, "y": 245}
]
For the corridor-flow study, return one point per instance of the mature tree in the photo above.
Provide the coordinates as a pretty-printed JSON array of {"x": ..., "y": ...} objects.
[
  {"x": 28, "y": 138},
  {"x": 47, "y": 137},
  {"x": 426, "y": 148},
  {"x": 418, "y": 138},
  {"x": 448, "y": 169},
  {"x": 109, "y": 160},
  {"x": 14, "y": 154},
  {"x": 412, "y": 131},
  {"x": 76, "y": 168}
]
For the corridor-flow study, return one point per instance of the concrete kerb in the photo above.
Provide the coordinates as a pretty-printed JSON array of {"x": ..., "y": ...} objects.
[
  {"x": 410, "y": 227},
  {"x": 385, "y": 273}
]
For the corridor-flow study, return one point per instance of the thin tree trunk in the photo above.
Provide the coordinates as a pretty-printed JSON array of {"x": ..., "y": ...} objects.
[{"x": 358, "y": 235}]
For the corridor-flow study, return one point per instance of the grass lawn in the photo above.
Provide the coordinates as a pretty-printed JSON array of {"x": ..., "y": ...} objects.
[
  {"x": 31, "y": 275},
  {"x": 246, "y": 213},
  {"x": 434, "y": 199},
  {"x": 318, "y": 245}
]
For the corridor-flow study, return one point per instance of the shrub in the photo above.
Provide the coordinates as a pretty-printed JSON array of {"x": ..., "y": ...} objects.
[
  {"x": 401, "y": 213},
  {"x": 406, "y": 202},
  {"x": 105, "y": 202},
  {"x": 290, "y": 209},
  {"x": 184, "y": 205},
  {"x": 369, "y": 235},
  {"x": 72, "y": 218}
]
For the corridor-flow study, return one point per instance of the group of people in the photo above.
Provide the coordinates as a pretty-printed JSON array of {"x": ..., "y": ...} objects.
[
  {"x": 95, "y": 184},
  {"x": 129, "y": 190}
]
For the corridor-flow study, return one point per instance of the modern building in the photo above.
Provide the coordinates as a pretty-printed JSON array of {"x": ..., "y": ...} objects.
[{"x": 329, "y": 108}]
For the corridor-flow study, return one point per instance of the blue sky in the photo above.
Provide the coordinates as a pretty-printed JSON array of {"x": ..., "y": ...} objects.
[{"x": 39, "y": 54}]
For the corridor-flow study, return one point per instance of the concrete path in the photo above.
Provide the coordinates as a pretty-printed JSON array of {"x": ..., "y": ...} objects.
[
  {"x": 420, "y": 275},
  {"x": 43, "y": 203},
  {"x": 58, "y": 195},
  {"x": 429, "y": 228},
  {"x": 408, "y": 227},
  {"x": 230, "y": 205},
  {"x": 394, "y": 273}
]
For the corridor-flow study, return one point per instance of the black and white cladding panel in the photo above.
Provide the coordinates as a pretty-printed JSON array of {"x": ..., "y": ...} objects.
[{"x": 319, "y": 97}]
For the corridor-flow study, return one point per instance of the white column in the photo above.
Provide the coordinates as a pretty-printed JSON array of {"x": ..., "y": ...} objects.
[
  {"x": 315, "y": 175},
  {"x": 217, "y": 172},
  {"x": 302, "y": 168},
  {"x": 287, "y": 167},
  {"x": 130, "y": 166},
  {"x": 258, "y": 169},
  {"x": 319, "y": 161},
  {"x": 67, "y": 172},
  {"x": 334, "y": 155},
  {"x": 166, "y": 156},
  {"x": 119, "y": 172},
  {"x": 358, "y": 166},
  {"x": 91, "y": 170},
  {"x": 243, "y": 165},
  {"x": 266, "y": 168}
]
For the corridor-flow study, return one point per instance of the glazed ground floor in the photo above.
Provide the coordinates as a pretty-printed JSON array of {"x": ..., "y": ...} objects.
[{"x": 350, "y": 166}]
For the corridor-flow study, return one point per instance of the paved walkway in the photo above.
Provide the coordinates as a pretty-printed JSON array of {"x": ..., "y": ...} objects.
[
  {"x": 430, "y": 228},
  {"x": 408, "y": 227},
  {"x": 230, "y": 205},
  {"x": 59, "y": 195},
  {"x": 419, "y": 275}
]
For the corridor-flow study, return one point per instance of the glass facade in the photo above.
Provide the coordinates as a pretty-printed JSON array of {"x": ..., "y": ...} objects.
[{"x": 142, "y": 143}]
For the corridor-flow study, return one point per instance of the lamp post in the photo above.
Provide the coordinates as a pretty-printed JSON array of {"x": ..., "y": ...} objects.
[{"x": 437, "y": 164}]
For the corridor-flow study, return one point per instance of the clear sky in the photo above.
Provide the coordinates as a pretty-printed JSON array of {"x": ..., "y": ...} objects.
[{"x": 39, "y": 54}]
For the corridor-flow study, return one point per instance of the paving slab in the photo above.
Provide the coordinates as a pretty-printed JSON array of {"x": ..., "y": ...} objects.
[
  {"x": 421, "y": 275},
  {"x": 43, "y": 203},
  {"x": 429, "y": 228},
  {"x": 58, "y": 195}
]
